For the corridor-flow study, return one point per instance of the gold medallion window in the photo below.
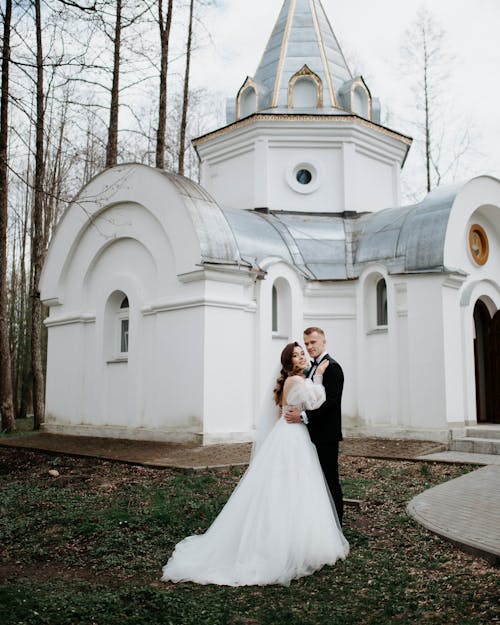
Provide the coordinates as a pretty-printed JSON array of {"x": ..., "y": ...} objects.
[{"x": 478, "y": 244}]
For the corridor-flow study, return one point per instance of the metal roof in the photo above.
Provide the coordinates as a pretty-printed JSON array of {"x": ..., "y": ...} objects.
[
  {"x": 217, "y": 242},
  {"x": 326, "y": 246},
  {"x": 408, "y": 238},
  {"x": 302, "y": 36},
  {"x": 322, "y": 246}
]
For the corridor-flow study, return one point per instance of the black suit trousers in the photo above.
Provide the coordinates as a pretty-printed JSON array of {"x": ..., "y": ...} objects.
[{"x": 329, "y": 459}]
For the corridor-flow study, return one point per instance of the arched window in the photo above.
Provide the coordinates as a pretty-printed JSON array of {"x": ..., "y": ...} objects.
[
  {"x": 123, "y": 323},
  {"x": 381, "y": 303},
  {"x": 116, "y": 338},
  {"x": 275, "y": 309}
]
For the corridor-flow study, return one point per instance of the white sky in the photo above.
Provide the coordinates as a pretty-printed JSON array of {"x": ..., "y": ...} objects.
[{"x": 371, "y": 32}]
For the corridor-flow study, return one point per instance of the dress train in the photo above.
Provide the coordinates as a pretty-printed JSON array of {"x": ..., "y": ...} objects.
[{"x": 279, "y": 523}]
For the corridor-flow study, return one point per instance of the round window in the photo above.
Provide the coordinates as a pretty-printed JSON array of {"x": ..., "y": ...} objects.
[
  {"x": 478, "y": 244},
  {"x": 304, "y": 176}
]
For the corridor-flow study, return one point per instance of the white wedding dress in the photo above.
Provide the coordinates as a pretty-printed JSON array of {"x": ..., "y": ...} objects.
[{"x": 280, "y": 521}]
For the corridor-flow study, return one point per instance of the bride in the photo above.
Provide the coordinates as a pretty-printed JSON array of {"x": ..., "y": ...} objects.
[{"x": 280, "y": 522}]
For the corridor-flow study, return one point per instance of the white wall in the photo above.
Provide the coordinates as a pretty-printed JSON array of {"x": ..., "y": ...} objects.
[
  {"x": 400, "y": 385},
  {"x": 355, "y": 166},
  {"x": 324, "y": 161},
  {"x": 203, "y": 356},
  {"x": 156, "y": 391},
  {"x": 332, "y": 307},
  {"x": 229, "y": 385},
  {"x": 230, "y": 178},
  {"x": 425, "y": 352},
  {"x": 375, "y": 183}
]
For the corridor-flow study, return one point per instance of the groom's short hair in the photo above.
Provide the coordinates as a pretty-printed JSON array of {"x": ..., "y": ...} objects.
[{"x": 308, "y": 331}]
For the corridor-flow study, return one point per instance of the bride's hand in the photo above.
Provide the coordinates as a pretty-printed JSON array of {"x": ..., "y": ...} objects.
[{"x": 320, "y": 369}]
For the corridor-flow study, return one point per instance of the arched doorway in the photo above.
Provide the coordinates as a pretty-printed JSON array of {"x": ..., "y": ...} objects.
[
  {"x": 495, "y": 367},
  {"x": 487, "y": 363}
]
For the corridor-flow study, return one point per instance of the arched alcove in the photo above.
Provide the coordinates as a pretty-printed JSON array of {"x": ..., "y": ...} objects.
[
  {"x": 305, "y": 93},
  {"x": 360, "y": 102},
  {"x": 305, "y": 90},
  {"x": 247, "y": 102},
  {"x": 281, "y": 305}
]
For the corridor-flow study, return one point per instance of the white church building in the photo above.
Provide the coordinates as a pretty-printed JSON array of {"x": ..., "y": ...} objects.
[{"x": 171, "y": 301}]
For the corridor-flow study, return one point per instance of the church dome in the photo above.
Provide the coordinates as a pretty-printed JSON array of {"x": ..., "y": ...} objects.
[{"x": 303, "y": 69}]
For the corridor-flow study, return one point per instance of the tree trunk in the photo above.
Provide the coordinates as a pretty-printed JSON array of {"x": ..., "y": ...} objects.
[
  {"x": 6, "y": 403},
  {"x": 37, "y": 235},
  {"x": 14, "y": 321},
  {"x": 112, "y": 146},
  {"x": 23, "y": 374},
  {"x": 162, "y": 109},
  {"x": 427, "y": 117},
  {"x": 185, "y": 103}
]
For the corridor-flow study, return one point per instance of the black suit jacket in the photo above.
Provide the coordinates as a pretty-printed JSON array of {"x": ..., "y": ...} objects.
[{"x": 325, "y": 423}]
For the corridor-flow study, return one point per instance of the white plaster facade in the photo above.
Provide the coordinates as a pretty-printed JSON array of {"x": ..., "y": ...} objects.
[
  {"x": 202, "y": 350},
  {"x": 218, "y": 278},
  {"x": 254, "y": 165}
]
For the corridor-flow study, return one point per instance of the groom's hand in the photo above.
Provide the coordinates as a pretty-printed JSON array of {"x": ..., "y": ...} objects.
[{"x": 293, "y": 415}]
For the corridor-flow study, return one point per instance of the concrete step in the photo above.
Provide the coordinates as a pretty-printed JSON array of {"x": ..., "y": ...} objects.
[
  {"x": 483, "y": 431},
  {"x": 476, "y": 445}
]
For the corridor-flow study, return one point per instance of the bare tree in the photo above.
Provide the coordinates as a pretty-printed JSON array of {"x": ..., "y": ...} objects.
[
  {"x": 6, "y": 403},
  {"x": 164, "y": 25},
  {"x": 61, "y": 124},
  {"x": 112, "y": 145},
  {"x": 185, "y": 102},
  {"x": 425, "y": 59},
  {"x": 23, "y": 378},
  {"x": 37, "y": 239}
]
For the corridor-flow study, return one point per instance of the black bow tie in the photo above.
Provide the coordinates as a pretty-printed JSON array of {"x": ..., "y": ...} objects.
[{"x": 314, "y": 363}]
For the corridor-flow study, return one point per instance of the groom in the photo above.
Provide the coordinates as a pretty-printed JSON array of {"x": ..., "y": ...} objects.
[{"x": 324, "y": 423}]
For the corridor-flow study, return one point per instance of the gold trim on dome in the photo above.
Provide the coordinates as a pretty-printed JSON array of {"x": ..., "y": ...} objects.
[
  {"x": 284, "y": 47},
  {"x": 279, "y": 117},
  {"x": 305, "y": 72},
  {"x": 323, "y": 53},
  {"x": 478, "y": 244}
]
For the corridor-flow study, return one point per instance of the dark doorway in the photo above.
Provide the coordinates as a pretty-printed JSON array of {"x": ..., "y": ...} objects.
[
  {"x": 487, "y": 362},
  {"x": 494, "y": 382}
]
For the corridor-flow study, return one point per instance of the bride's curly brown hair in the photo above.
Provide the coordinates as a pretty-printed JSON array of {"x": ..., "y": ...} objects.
[{"x": 287, "y": 369}]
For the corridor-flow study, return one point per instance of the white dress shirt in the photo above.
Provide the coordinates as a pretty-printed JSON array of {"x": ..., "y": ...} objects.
[{"x": 317, "y": 379}]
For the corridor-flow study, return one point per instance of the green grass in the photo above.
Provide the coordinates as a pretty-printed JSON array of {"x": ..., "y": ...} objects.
[
  {"x": 86, "y": 548},
  {"x": 24, "y": 427}
]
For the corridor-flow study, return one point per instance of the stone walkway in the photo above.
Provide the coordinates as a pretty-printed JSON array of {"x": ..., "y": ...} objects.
[
  {"x": 460, "y": 457},
  {"x": 465, "y": 510}
]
